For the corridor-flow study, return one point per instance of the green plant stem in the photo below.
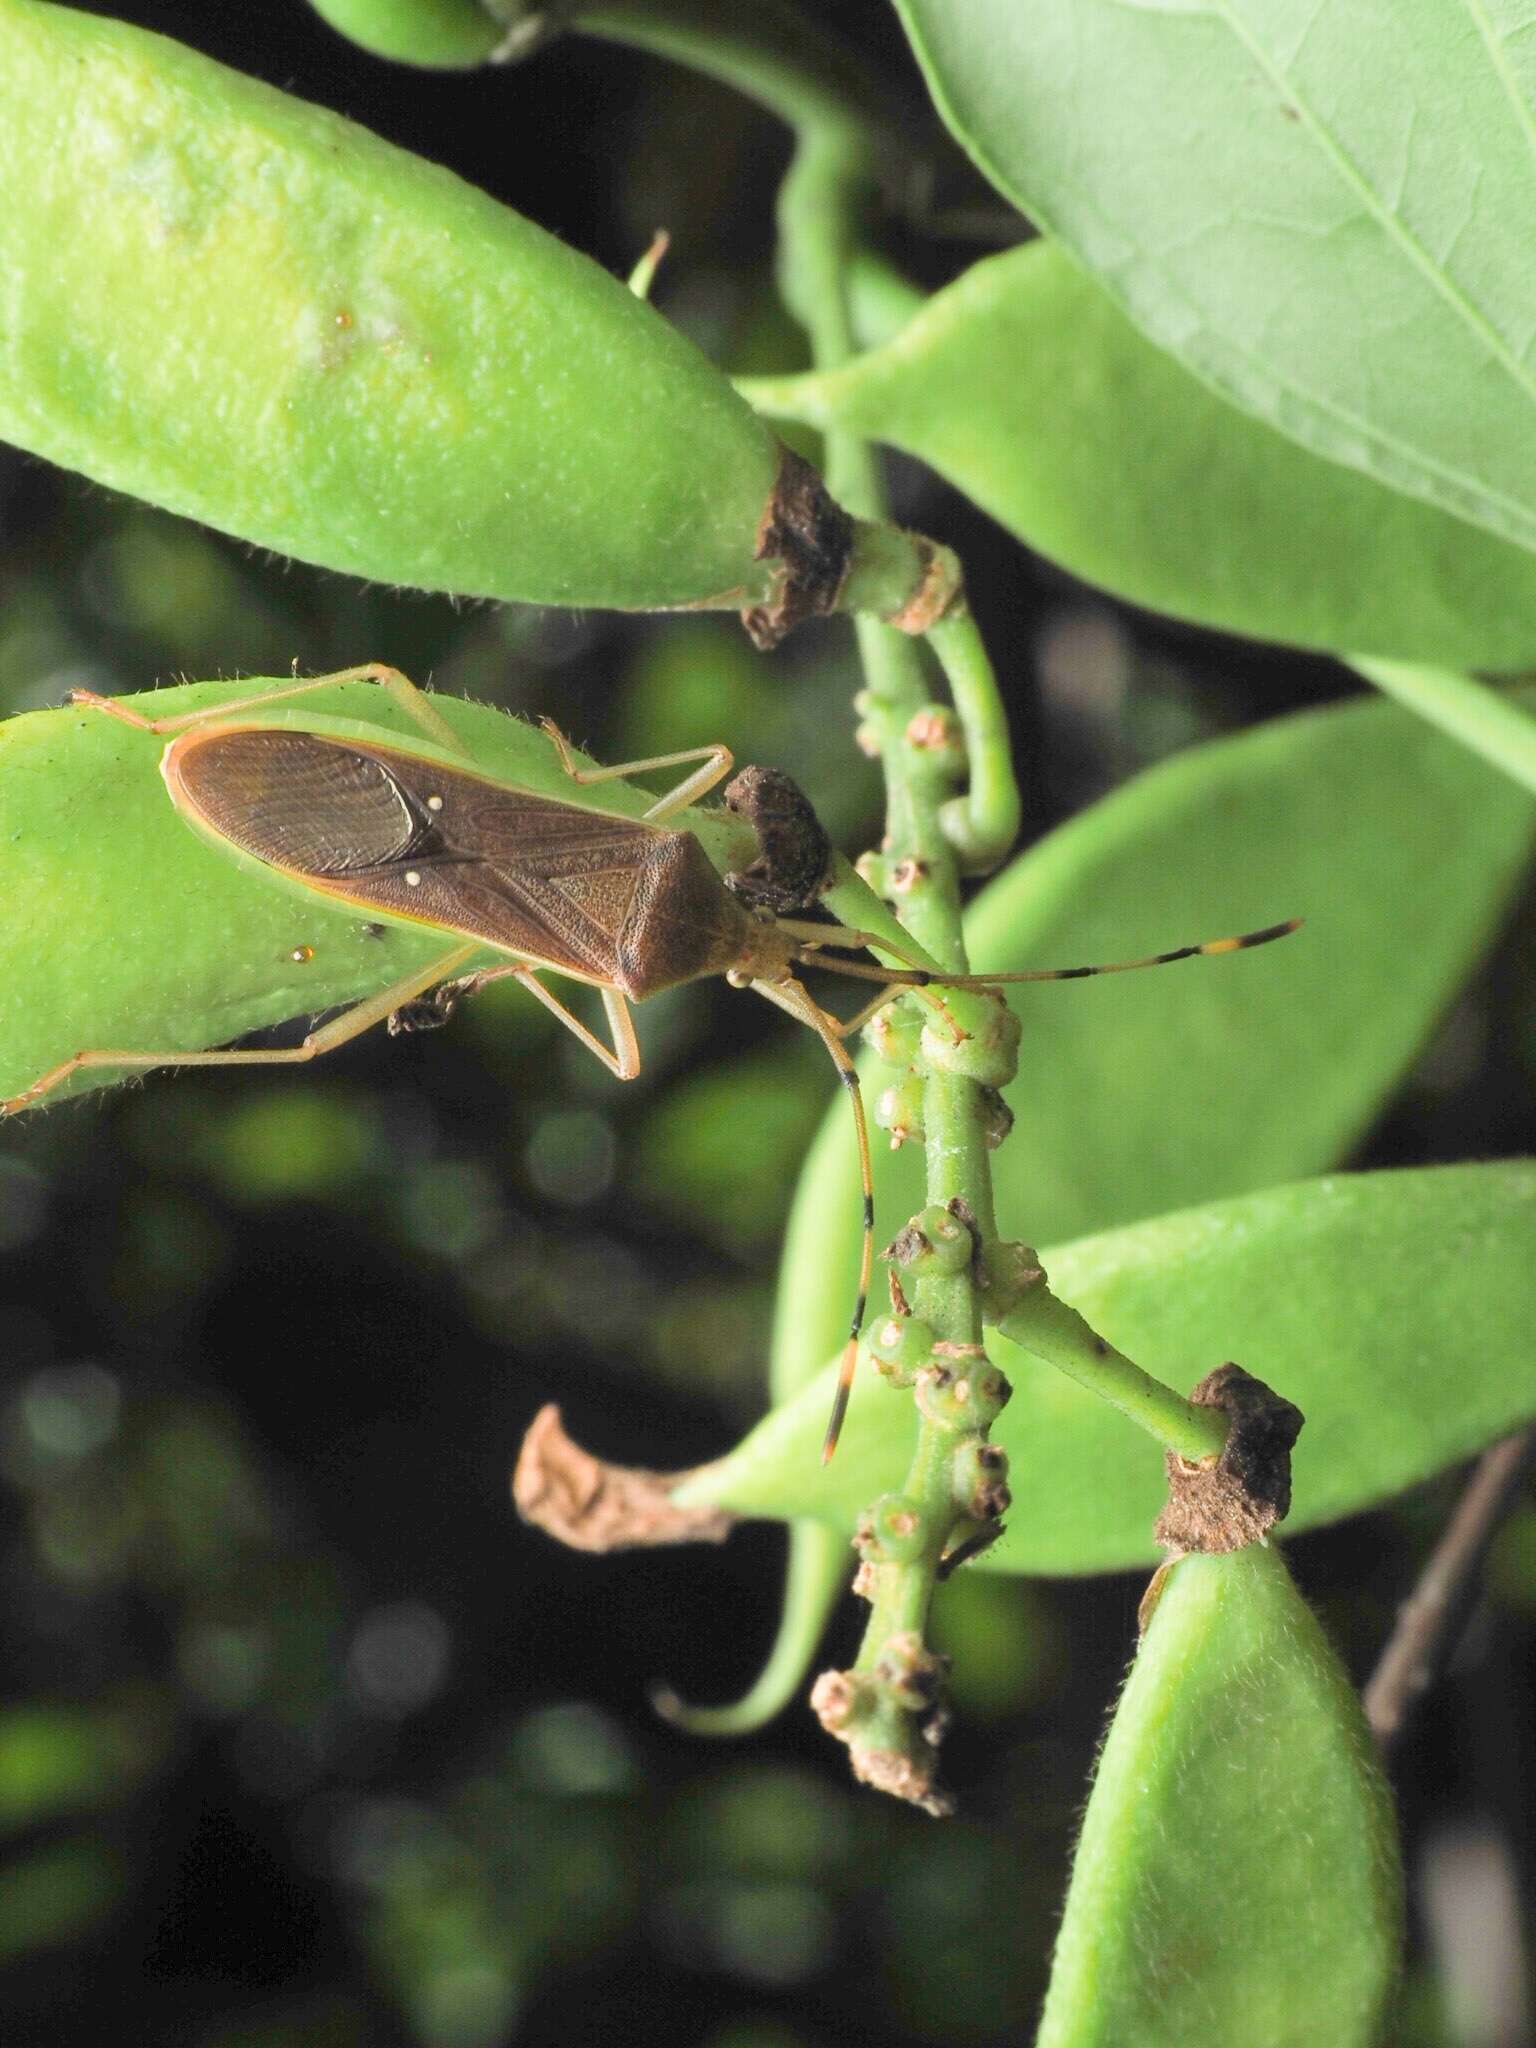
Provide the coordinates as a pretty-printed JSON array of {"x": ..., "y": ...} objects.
[
  {"x": 1051, "y": 1329},
  {"x": 770, "y": 52},
  {"x": 1499, "y": 728},
  {"x": 932, "y": 834},
  {"x": 983, "y": 823},
  {"x": 820, "y": 205},
  {"x": 881, "y": 301},
  {"x": 808, "y": 396}
]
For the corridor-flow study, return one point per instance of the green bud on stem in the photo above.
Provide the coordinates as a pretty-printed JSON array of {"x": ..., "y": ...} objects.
[{"x": 989, "y": 1050}]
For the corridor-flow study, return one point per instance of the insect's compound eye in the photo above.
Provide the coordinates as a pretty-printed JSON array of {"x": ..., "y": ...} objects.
[{"x": 302, "y": 953}]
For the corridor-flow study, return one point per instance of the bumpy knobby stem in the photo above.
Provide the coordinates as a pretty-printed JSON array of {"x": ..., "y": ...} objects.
[
  {"x": 1051, "y": 1329},
  {"x": 890, "y": 1703},
  {"x": 952, "y": 808}
]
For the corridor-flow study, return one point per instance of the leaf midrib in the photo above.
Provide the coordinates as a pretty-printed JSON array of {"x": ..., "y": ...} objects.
[{"x": 1471, "y": 315}]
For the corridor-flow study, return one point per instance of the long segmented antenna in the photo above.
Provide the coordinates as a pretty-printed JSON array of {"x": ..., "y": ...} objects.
[
  {"x": 790, "y": 996},
  {"x": 803, "y": 1006},
  {"x": 922, "y": 977}
]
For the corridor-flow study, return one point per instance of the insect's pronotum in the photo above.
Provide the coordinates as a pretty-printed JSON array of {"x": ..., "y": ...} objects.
[{"x": 624, "y": 904}]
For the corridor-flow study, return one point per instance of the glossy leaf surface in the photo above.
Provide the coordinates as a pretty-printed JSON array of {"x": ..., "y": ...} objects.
[
  {"x": 1028, "y": 388},
  {"x": 1324, "y": 211},
  {"x": 1237, "y": 1876},
  {"x": 1141, "y": 1093},
  {"x": 121, "y": 926},
  {"x": 1395, "y": 1309}
]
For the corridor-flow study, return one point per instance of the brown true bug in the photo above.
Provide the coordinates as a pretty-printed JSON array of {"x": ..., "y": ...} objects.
[{"x": 624, "y": 904}]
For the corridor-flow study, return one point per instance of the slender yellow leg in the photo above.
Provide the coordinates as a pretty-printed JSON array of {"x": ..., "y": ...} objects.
[
  {"x": 414, "y": 702},
  {"x": 790, "y": 996},
  {"x": 347, "y": 1026},
  {"x": 717, "y": 765},
  {"x": 623, "y": 1062}
]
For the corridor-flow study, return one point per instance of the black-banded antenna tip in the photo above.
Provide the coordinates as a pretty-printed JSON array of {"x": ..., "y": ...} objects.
[
  {"x": 835, "y": 1423},
  {"x": 1275, "y": 931}
]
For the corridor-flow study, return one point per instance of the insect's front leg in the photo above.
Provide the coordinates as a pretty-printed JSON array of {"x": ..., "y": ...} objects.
[
  {"x": 415, "y": 703},
  {"x": 623, "y": 1062},
  {"x": 718, "y": 763},
  {"x": 350, "y": 1024}
]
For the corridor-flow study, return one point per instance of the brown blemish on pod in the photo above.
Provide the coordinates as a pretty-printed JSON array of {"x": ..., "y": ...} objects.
[
  {"x": 1234, "y": 1499},
  {"x": 811, "y": 537}
]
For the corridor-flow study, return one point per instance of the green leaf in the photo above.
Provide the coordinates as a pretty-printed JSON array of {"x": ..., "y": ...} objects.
[
  {"x": 1499, "y": 727},
  {"x": 1028, "y": 388},
  {"x": 1141, "y": 1093},
  {"x": 1237, "y": 1877},
  {"x": 120, "y": 926},
  {"x": 1395, "y": 1309},
  {"x": 1326, "y": 213}
]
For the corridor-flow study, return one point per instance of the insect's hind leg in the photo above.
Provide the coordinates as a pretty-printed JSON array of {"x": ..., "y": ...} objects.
[
  {"x": 623, "y": 1062},
  {"x": 798, "y": 1002},
  {"x": 717, "y": 764},
  {"x": 415, "y": 703},
  {"x": 350, "y": 1024}
]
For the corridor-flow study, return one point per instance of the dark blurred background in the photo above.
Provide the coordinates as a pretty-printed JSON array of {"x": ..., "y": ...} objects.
[{"x": 304, "y": 1740}]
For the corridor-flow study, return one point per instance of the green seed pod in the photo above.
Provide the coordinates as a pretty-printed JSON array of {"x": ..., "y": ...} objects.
[
  {"x": 446, "y": 35},
  {"x": 1237, "y": 1879},
  {"x": 900, "y": 1347},
  {"x": 257, "y": 314},
  {"x": 989, "y": 1053},
  {"x": 892, "y": 1531}
]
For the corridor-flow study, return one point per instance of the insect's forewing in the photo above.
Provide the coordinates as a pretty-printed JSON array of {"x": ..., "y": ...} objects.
[{"x": 397, "y": 832}]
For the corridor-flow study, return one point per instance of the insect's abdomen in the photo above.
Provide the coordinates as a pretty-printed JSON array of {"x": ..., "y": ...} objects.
[{"x": 682, "y": 923}]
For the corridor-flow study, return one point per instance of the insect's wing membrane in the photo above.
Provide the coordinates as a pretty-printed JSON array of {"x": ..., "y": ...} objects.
[
  {"x": 404, "y": 834},
  {"x": 299, "y": 802},
  {"x": 549, "y": 880}
]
